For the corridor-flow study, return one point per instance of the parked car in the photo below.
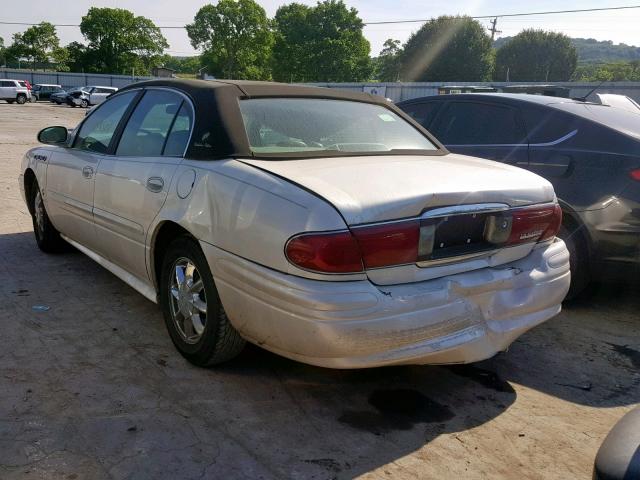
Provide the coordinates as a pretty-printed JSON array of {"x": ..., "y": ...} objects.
[
  {"x": 59, "y": 97},
  {"x": 88, "y": 96},
  {"x": 43, "y": 91},
  {"x": 14, "y": 91},
  {"x": 324, "y": 226},
  {"x": 589, "y": 152}
]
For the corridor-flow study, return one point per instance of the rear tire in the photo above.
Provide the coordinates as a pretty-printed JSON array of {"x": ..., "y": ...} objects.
[
  {"x": 22, "y": 99},
  {"x": 578, "y": 260},
  {"x": 47, "y": 237},
  {"x": 193, "y": 313}
]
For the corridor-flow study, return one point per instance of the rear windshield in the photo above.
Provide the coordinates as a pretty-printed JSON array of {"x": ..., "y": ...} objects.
[
  {"x": 295, "y": 125},
  {"x": 616, "y": 118}
]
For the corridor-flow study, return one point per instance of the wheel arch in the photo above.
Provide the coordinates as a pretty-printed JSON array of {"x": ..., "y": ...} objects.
[
  {"x": 165, "y": 232},
  {"x": 572, "y": 220},
  {"x": 29, "y": 190}
]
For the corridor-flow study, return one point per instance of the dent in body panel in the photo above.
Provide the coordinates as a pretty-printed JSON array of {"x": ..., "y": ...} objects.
[{"x": 246, "y": 211}]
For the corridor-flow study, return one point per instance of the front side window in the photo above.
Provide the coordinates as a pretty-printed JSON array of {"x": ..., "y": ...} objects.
[
  {"x": 147, "y": 129},
  {"x": 299, "y": 125},
  {"x": 469, "y": 123},
  {"x": 97, "y": 130}
]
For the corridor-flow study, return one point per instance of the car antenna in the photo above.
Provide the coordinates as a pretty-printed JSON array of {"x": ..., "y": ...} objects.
[{"x": 584, "y": 98}]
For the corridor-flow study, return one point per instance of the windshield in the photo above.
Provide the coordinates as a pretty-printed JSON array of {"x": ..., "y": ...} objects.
[{"x": 290, "y": 125}]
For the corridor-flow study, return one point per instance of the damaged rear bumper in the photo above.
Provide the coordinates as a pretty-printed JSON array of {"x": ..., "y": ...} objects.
[{"x": 461, "y": 318}]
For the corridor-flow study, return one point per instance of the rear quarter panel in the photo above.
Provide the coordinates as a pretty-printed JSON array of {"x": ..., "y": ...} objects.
[{"x": 245, "y": 211}]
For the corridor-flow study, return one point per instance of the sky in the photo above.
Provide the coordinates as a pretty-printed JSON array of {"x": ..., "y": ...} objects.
[{"x": 619, "y": 26}]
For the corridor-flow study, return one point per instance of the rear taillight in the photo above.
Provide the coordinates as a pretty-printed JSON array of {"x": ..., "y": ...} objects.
[
  {"x": 534, "y": 224},
  {"x": 333, "y": 252},
  {"x": 635, "y": 174},
  {"x": 389, "y": 244},
  {"x": 406, "y": 242}
]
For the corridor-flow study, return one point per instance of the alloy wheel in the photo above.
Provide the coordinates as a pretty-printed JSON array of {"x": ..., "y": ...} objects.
[{"x": 187, "y": 300}]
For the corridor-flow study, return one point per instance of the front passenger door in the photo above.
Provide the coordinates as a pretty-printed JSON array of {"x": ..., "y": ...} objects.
[
  {"x": 71, "y": 171},
  {"x": 132, "y": 186}
]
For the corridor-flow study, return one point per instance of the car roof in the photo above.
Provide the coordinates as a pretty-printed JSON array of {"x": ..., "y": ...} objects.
[
  {"x": 508, "y": 97},
  {"x": 48, "y": 84},
  {"x": 251, "y": 88}
]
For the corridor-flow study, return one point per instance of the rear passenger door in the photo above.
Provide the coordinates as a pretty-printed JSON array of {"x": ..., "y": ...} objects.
[
  {"x": 483, "y": 129},
  {"x": 131, "y": 186}
]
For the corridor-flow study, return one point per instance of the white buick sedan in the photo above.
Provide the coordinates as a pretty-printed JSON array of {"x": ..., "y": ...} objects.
[{"x": 325, "y": 226}]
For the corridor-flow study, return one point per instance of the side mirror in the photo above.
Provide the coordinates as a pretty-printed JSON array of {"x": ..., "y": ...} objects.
[{"x": 53, "y": 135}]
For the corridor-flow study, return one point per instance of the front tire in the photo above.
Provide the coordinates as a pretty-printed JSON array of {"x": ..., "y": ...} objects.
[
  {"x": 193, "y": 313},
  {"x": 47, "y": 237},
  {"x": 84, "y": 103}
]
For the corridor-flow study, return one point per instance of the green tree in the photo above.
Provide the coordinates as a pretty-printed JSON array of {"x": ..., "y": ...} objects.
[
  {"x": 39, "y": 44},
  {"x": 236, "y": 39},
  {"x": 119, "y": 42},
  {"x": 448, "y": 49},
  {"x": 608, "y": 72},
  {"x": 189, "y": 65},
  {"x": 3, "y": 59},
  {"x": 536, "y": 56},
  {"x": 76, "y": 57},
  {"x": 324, "y": 43},
  {"x": 387, "y": 64}
]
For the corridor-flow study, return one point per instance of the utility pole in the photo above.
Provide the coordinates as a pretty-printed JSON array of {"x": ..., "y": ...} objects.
[{"x": 494, "y": 28}]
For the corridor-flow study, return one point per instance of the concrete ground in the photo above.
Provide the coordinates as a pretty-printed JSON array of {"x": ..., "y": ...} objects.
[{"x": 92, "y": 388}]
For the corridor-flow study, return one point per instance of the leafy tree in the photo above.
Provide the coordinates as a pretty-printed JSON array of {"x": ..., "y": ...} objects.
[
  {"x": 39, "y": 44},
  {"x": 3, "y": 59},
  {"x": 448, "y": 49},
  {"x": 118, "y": 41},
  {"x": 608, "y": 72},
  {"x": 236, "y": 39},
  {"x": 76, "y": 56},
  {"x": 324, "y": 43},
  {"x": 387, "y": 64},
  {"x": 189, "y": 65},
  {"x": 536, "y": 56}
]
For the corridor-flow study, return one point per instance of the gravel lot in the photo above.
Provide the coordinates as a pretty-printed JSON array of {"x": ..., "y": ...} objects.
[{"x": 92, "y": 388}]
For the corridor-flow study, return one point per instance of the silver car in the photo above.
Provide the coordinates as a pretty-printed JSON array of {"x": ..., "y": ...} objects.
[{"x": 324, "y": 226}]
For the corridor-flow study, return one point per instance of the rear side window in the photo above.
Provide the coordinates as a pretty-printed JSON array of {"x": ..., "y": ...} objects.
[
  {"x": 6, "y": 83},
  {"x": 470, "y": 123},
  {"x": 97, "y": 130},
  {"x": 179, "y": 135},
  {"x": 423, "y": 113},
  {"x": 148, "y": 127}
]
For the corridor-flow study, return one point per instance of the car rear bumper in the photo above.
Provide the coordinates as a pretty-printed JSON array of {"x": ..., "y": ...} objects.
[{"x": 462, "y": 318}]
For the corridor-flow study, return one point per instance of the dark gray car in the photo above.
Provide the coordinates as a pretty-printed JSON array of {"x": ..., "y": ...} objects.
[{"x": 589, "y": 152}]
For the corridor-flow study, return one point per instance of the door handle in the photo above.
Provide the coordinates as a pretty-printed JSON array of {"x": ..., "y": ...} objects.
[
  {"x": 155, "y": 184},
  {"x": 87, "y": 172}
]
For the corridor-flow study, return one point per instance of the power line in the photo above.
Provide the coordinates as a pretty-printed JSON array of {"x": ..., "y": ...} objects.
[
  {"x": 480, "y": 17},
  {"x": 388, "y": 22}
]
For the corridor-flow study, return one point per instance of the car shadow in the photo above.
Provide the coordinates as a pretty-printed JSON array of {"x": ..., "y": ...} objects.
[{"x": 101, "y": 351}]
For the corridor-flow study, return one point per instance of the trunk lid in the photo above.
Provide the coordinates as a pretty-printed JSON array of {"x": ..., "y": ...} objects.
[
  {"x": 371, "y": 189},
  {"x": 379, "y": 188}
]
